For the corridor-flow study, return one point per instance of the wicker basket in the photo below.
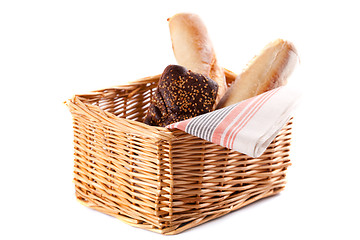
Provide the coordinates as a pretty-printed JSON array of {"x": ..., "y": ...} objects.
[{"x": 158, "y": 179}]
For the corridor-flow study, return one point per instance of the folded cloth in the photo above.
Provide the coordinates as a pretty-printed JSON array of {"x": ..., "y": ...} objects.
[{"x": 248, "y": 126}]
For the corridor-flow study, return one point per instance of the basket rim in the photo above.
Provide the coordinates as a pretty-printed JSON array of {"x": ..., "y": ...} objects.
[
  {"x": 163, "y": 133},
  {"x": 137, "y": 127}
]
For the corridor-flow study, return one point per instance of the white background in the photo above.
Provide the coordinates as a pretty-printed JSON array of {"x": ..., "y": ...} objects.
[{"x": 50, "y": 50}]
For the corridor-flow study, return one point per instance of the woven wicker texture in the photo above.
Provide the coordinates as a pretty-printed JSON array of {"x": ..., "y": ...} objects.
[{"x": 158, "y": 179}]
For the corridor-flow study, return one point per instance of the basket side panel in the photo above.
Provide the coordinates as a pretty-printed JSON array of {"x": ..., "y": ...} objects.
[
  {"x": 119, "y": 170},
  {"x": 112, "y": 173},
  {"x": 210, "y": 181}
]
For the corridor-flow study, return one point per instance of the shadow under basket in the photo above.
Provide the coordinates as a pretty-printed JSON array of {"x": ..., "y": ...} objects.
[{"x": 158, "y": 179}]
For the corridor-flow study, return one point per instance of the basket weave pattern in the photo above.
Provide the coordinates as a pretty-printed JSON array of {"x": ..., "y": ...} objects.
[{"x": 162, "y": 180}]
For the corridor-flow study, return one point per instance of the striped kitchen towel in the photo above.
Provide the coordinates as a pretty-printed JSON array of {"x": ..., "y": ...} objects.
[{"x": 248, "y": 126}]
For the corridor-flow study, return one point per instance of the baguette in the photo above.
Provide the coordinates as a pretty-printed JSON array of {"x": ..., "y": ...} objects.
[
  {"x": 194, "y": 50},
  {"x": 269, "y": 70}
]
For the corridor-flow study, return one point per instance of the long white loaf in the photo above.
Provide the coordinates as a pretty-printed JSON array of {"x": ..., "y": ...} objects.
[
  {"x": 269, "y": 70},
  {"x": 194, "y": 50}
]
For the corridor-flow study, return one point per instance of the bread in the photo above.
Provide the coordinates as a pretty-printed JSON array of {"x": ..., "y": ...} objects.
[
  {"x": 269, "y": 70},
  {"x": 194, "y": 50},
  {"x": 180, "y": 94}
]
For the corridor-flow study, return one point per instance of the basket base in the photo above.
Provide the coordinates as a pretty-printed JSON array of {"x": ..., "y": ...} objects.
[{"x": 177, "y": 229}]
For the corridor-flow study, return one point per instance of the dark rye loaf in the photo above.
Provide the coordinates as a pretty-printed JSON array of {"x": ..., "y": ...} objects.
[{"x": 180, "y": 94}]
